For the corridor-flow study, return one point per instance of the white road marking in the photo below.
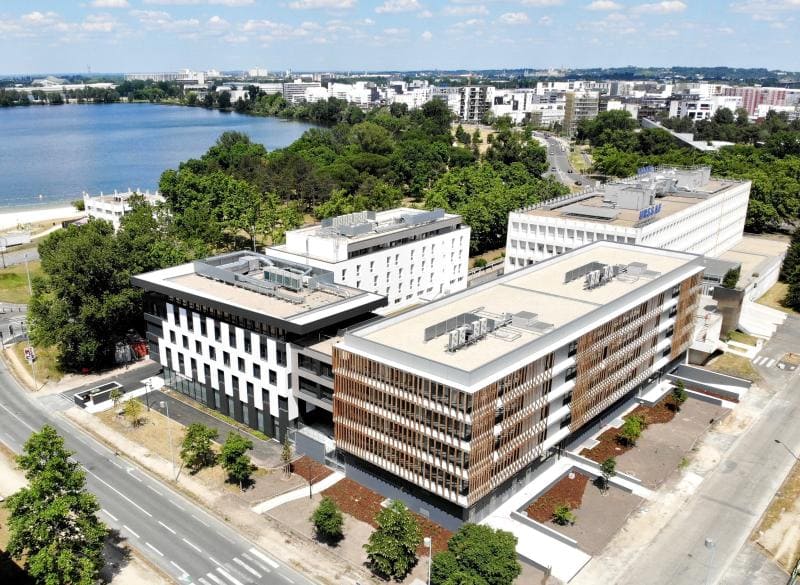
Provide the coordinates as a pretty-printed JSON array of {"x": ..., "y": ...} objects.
[
  {"x": 287, "y": 578},
  {"x": 215, "y": 561},
  {"x": 26, "y": 425},
  {"x": 174, "y": 564},
  {"x": 117, "y": 491},
  {"x": 194, "y": 546},
  {"x": 110, "y": 515},
  {"x": 200, "y": 521},
  {"x": 770, "y": 363},
  {"x": 167, "y": 527},
  {"x": 246, "y": 567},
  {"x": 264, "y": 558},
  {"x": 155, "y": 549},
  {"x": 154, "y": 489},
  {"x": 130, "y": 472},
  {"x": 258, "y": 564},
  {"x": 203, "y": 581},
  {"x": 129, "y": 530},
  {"x": 225, "y": 537},
  {"x": 115, "y": 464},
  {"x": 177, "y": 505},
  {"x": 215, "y": 579},
  {"x": 228, "y": 576}
]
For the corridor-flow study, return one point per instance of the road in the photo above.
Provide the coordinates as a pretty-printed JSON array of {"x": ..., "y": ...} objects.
[
  {"x": 165, "y": 527},
  {"x": 560, "y": 165},
  {"x": 728, "y": 504}
]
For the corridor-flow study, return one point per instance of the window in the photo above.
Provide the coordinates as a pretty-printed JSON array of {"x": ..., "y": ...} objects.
[
  {"x": 185, "y": 341},
  {"x": 257, "y": 371},
  {"x": 573, "y": 348},
  {"x": 248, "y": 345},
  {"x": 198, "y": 347},
  {"x": 240, "y": 363},
  {"x": 217, "y": 332},
  {"x": 172, "y": 336},
  {"x": 212, "y": 352},
  {"x": 226, "y": 359},
  {"x": 190, "y": 320},
  {"x": 571, "y": 373},
  {"x": 263, "y": 349},
  {"x": 273, "y": 377},
  {"x": 180, "y": 362},
  {"x": 203, "y": 326},
  {"x": 281, "y": 355},
  {"x": 232, "y": 337}
]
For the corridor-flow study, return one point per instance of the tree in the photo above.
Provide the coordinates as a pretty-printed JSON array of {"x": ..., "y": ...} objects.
[
  {"x": 116, "y": 395},
  {"x": 224, "y": 100},
  {"x": 286, "y": 457},
  {"x": 328, "y": 521},
  {"x": 477, "y": 554},
  {"x": 53, "y": 523},
  {"x": 631, "y": 429},
  {"x": 235, "y": 460},
  {"x": 731, "y": 277},
  {"x": 678, "y": 394},
  {"x": 791, "y": 261},
  {"x": 133, "y": 412},
  {"x": 392, "y": 547},
  {"x": 462, "y": 136},
  {"x": 609, "y": 470},
  {"x": 196, "y": 449},
  {"x": 562, "y": 515}
]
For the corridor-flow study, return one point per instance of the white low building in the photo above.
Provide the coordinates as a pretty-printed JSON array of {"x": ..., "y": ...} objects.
[
  {"x": 112, "y": 207},
  {"x": 681, "y": 209},
  {"x": 407, "y": 255},
  {"x": 696, "y": 108}
]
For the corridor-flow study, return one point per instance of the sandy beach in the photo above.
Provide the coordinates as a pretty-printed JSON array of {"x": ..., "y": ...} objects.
[{"x": 11, "y": 218}]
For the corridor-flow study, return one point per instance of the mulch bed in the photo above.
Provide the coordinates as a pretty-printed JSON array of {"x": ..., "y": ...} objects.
[
  {"x": 610, "y": 446},
  {"x": 310, "y": 470},
  {"x": 364, "y": 504},
  {"x": 564, "y": 491}
]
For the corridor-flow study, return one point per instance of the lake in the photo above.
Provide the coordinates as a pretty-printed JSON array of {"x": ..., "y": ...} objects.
[{"x": 51, "y": 154}]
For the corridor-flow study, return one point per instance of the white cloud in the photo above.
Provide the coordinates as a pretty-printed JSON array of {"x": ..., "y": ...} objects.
[
  {"x": 602, "y": 5},
  {"x": 326, "y": 4},
  {"x": 163, "y": 21},
  {"x": 545, "y": 21},
  {"x": 425, "y": 14},
  {"x": 217, "y": 23},
  {"x": 426, "y": 36},
  {"x": 665, "y": 7},
  {"x": 514, "y": 18},
  {"x": 542, "y": 3},
  {"x": 109, "y": 4},
  {"x": 37, "y": 18},
  {"x": 765, "y": 10},
  {"x": 99, "y": 23},
  {"x": 229, "y": 3},
  {"x": 399, "y": 6},
  {"x": 466, "y": 9}
]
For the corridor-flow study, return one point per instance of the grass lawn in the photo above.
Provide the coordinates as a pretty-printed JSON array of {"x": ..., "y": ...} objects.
[
  {"x": 46, "y": 363},
  {"x": 14, "y": 282},
  {"x": 490, "y": 256},
  {"x": 742, "y": 338},
  {"x": 734, "y": 365},
  {"x": 774, "y": 298},
  {"x": 577, "y": 161}
]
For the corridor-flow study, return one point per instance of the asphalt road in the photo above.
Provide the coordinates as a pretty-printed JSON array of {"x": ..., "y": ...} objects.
[
  {"x": 175, "y": 534},
  {"x": 559, "y": 160}
]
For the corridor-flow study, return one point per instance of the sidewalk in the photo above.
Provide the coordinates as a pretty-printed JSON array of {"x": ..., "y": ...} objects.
[
  {"x": 301, "y": 492},
  {"x": 264, "y": 453}
]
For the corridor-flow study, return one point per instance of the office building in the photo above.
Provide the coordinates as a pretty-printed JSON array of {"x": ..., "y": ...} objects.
[
  {"x": 683, "y": 209},
  {"x": 294, "y": 91},
  {"x": 455, "y": 403},
  {"x": 697, "y": 108},
  {"x": 231, "y": 332},
  {"x": 578, "y": 106},
  {"x": 112, "y": 207},
  {"x": 407, "y": 255}
]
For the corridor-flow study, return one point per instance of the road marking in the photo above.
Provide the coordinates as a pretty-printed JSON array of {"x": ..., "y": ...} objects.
[
  {"x": 285, "y": 577},
  {"x": 117, "y": 491},
  {"x": 215, "y": 579},
  {"x": 215, "y": 561},
  {"x": 167, "y": 527},
  {"x": 114, "y": 463},
  {"x": 155, "y": 549},
  {"x": 258, "y": 564},
  {"x": 177, "y": 505},
  {"x": 203, "y": 581},
  {"x": 246, "y": 567},
  {"x": 27, "y": 426},
  {"x": 200, "y": 521},
  {"x": 130, "y": 472},
  {"x": 110, "y": 515},
  {"x": 194, "y": 546},
  {"x": 264, "y": 558},
  {"x": 154, "y": 489},
  {"x": 177, "y": 566},
  {"x": 228, "y": 576},
  {"x": 225, "y": 537},
  {"x": 125, "y": 526},
  {"x": 770, "y": 363}
]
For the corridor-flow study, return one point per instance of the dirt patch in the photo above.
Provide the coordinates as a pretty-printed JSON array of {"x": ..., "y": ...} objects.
[
  {"x": 364, "y": 504},
  {"x": 566, "y": 491},
  {"x": 779, "y": 530},
  {"x": 609, "y": 444},
  {"x": 310, "y": 470}
]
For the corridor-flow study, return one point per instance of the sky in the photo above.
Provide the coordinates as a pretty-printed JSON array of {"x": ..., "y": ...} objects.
[{"x": 38, "y": 36}]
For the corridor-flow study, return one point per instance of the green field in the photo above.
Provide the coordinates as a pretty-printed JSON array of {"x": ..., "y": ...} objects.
[{"x": 14, "y": 282}]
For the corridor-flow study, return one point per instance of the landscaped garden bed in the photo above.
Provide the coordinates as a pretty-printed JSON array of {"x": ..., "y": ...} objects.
[
  {"x": 364, "y": 504},
  {"x": 566, "y": 491},
  {"x": 310, "y": 470}
]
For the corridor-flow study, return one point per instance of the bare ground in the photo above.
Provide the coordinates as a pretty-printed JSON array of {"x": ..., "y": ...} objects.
[{"x": 779, "y": 530}]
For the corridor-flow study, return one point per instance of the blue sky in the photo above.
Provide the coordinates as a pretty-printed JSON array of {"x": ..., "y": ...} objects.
[{"x": 146, "y": 35}]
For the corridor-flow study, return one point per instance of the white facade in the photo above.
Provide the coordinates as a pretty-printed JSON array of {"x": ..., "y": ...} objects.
[
  {"x": 294, "y": 92},
  {"x": 112, "y": 207},
  {"x": 709, "y": 225},
  {"x": 409, "y": 264},
  {"x": 527, "y": 104},
  {"x": 703, "y": 108}
]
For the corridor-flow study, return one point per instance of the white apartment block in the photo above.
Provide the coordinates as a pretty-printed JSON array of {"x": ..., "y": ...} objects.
[
  {"x": 408, "y": 255},
  {"x": 527, "y": 105},
  {"x": 111, "y": 208},
  {"x": 294, "y": 92},
  {"x": 702, "y": 108},
  {"x": 685, "y": 210}
]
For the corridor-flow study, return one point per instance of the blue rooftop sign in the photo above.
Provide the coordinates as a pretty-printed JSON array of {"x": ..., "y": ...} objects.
[{"x": 649, "y": 212}]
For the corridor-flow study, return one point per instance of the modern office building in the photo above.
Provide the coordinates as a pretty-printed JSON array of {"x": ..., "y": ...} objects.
[
  {"x": 682, "y": 209},
  {"x": 454, "y": 402},
  {"x": 697, "y": 108},
  {"x": 113, "y": 206},
  {"x": 231, "y": 332},
  {"x": 579, "y": 106},
  {"x": 407, "y": 255}
]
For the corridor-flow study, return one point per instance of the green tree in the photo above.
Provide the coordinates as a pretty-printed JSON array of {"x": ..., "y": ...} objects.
[
  {"x": 224, "y": 100},
  {"x": 731, "y": 277},
  {"x": 462, "y": 136},
  {"x": 631, "y": 430},
  {"x": 286, "y": 457},
  {"x": 562, "y": 515},
  {"x": 609, "y": 470},
  {"x": 678, "y": 395},
  {"x": 791, "y": 261},
  {"x": 235, "y": 460},
  {"x": 53, "y": 523},
  {"x": 133, "y": 412},
  {"x": 116, "y": 395},
  {"x": 477, "y": 554},
  {"x": 196, "y": 450},
  {"x": 328, "y": 521},
  {"x": 392, "y": 547}
]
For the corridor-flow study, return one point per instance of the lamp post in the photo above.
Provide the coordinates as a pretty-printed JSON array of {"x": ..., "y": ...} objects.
[
  {"x": 429, "y": 543},
  {"x": 147, "y": 385},
  {"x": 712, "y": 546},
  {"x": 165, "y": 406},
  {"x": 792, "y": 453},
  {"x": 30, "y": 289}
]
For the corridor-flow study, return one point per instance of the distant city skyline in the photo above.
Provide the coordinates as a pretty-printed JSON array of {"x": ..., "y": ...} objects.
[{"x": 160, "y": 35}]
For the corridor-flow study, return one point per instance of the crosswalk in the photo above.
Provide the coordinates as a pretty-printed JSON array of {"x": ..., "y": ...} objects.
[
  {"x": 764, "y": 361},
  {"x": 246, "y": 569}
]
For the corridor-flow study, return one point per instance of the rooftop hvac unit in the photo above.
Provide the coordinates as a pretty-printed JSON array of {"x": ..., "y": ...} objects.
[
  {"x": 452, "y": 343},
  {"x": 608, "y": 272},
  {"x": 484, "y": 323},
  {"x": 462, "y": 335}
]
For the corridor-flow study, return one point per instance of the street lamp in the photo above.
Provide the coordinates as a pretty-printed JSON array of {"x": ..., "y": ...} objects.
[
  {"x": 30, "y": 289},
  {"x": 429, "y": 543},
  {"x": 792, "y": 453},
  {"x": 712, "y": 546},
  {"x": 163, "y": 404},
  {"x": 147, "y": 386}
]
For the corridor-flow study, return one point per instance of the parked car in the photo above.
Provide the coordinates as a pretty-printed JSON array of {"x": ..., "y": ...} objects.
[{"x": 579, "y": 183}]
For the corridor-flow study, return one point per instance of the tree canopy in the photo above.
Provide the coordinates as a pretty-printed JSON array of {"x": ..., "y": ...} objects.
[
  {"x": 477, "y": 554},
  {"x": 392, "y": 547}
]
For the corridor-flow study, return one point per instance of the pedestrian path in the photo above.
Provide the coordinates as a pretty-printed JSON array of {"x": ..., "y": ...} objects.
[{"x": 301, "y": 492}]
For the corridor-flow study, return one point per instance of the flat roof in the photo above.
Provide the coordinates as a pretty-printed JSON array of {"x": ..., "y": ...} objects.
[{"x": 540, "y": 290}]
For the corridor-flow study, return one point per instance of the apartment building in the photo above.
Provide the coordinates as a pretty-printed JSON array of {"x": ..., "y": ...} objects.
[
  {"x": 113, "y": 206},
  {"x": 697, "y": 108},
  {"x": 232, "y": 333},
  {"x": 294, "y": 92},
  {"x": 407, "y": 255},
  {"x": 753, "y": 97},
  {"x": 683, "y": 209},
  {"x": 578, "y": 106},
  {"x": 527, "y": 105},
  {"x": 453, "y": 404}
]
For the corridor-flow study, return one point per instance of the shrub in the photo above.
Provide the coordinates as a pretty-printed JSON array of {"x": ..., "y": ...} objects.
[
  {"x": 392, "y": 547},
  {"x": 562, "y": 515},
  {"x": 328, "y": 521},
  {"x": 678, "y": 395}
]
